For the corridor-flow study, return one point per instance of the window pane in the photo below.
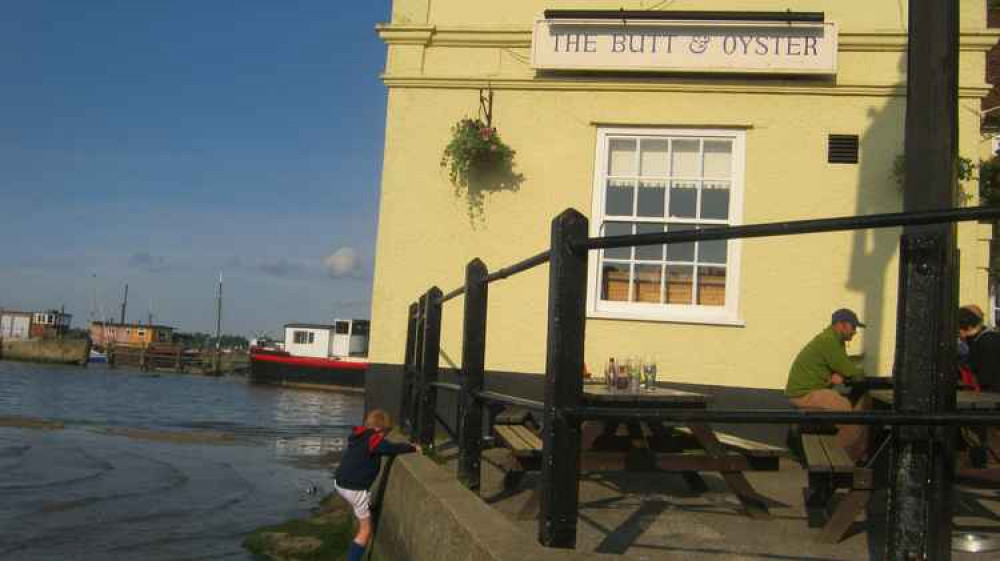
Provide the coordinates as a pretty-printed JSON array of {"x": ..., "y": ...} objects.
[
  {"x": 711, "y": 286},
  {"x": 651, "y": 198},
  {"x": 619, "y": 197},
  {"x": 614, "y": 282},
  {"x": 715, "y": 200},
  {"x": 621, "y": 156},
  {"x": 683, "y": 199},
  {"x": 654, "y": 157},
  {"x": 679, "y": 284},
  {"x": 647, "y": 283},
  {"x": 649, "y": 252},
  {"x": 618, "y": 229},
  {"x": 718, "y": 159},
  {"x": 680, "y": 251},
  {"x": 712, "y": 252},
  {"x": 685, "y": 159}
]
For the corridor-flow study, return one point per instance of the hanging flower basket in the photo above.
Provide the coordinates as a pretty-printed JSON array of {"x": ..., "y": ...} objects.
[{"x": 479, "y": 163}]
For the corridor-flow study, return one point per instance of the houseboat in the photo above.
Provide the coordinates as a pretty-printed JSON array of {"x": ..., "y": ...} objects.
[{"x": 318, "y": 356}]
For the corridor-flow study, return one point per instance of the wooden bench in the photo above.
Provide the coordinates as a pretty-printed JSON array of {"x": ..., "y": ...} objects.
[
  {"x": 511, "y": 427},
  {"x": 762, "y": 457},
  {"x": 831, "y": 469},
  {"x": 525, "y": 448}
]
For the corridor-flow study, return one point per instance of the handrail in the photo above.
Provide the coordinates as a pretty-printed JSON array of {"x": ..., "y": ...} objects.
[
  {"x": 495, "y": 397},
  {"x": 500, "y": 274},
  {"x": 844, "y": 223},
  {"x": 453, "y": 294},
  {"x": 785, "y": 416},
  {"x": 446, "y": 386},
  {"x": 520, "y": 266}
]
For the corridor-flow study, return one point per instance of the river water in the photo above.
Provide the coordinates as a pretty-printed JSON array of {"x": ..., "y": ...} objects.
[{"x": 99, "y": 464}]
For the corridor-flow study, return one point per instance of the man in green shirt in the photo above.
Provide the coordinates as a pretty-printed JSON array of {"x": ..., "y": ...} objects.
[{"x": 820, "y": 365}]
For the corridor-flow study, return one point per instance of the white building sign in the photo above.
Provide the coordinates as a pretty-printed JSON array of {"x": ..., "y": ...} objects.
[{"x": 685, "y": 46}]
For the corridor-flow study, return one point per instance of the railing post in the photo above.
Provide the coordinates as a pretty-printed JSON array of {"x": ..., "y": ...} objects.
[
  {"x": 923, "y": 458},
  {"x": 429, "y": 367},
  {"x": 563, "y": 382},
  {"x": 412, "y": 415},
  {"x": 922, "y": 471},
  {"x": 470, "y": 425},
  {"x": 406, "y": 389}
]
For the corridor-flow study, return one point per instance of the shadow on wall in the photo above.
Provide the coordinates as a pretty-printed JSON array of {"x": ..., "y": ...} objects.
[{"x": 873, "y": 250}]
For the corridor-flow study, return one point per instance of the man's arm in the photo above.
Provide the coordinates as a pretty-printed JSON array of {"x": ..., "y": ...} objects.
[{"x": 839, "y": 362}]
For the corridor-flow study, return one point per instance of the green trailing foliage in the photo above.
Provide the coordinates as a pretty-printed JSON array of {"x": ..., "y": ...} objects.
[
  {"x": 479, "y": 164},
  {"x": 966, "y": 170}
]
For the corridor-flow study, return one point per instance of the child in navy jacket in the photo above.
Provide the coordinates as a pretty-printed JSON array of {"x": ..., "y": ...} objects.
[{"x": 358, "y": 469}]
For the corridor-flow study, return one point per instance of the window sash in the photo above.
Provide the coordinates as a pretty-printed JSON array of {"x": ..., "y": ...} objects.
[{"x": 725, "y": 154}]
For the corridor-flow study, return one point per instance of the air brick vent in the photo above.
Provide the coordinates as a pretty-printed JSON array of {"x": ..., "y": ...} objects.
[{"x": 843, "y": 149}]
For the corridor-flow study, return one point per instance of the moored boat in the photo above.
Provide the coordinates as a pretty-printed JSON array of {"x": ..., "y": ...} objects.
[{"x": 316, "y": 356}]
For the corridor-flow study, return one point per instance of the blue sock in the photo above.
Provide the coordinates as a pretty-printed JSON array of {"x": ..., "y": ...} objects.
[{"x": 355, "y": 551}]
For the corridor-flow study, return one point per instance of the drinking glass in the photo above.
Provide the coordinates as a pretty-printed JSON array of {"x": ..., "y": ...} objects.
[{"x": 649, "y": 372}]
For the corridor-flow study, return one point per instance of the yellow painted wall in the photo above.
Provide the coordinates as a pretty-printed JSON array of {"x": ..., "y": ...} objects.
[{"x": 788, "y": 286}]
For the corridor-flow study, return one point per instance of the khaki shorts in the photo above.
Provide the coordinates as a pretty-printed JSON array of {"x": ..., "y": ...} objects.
[{"x": 359, "y": 500}]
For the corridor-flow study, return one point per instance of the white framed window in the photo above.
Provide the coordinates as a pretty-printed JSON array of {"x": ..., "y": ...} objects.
[
  {"x": 303, "y": 337},
  {"x": 654, "y": 180}
]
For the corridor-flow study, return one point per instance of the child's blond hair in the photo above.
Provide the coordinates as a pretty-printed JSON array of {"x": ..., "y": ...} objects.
[{"x": 378, "y": 419}]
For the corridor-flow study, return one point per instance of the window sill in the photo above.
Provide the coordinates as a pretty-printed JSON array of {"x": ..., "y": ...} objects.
[{"x": 723, "y": 320}]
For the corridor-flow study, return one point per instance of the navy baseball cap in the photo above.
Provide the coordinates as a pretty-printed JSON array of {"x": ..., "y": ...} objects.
[{"x": 849, "y": 316}]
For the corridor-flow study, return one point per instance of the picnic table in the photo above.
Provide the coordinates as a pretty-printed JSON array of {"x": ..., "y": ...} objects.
[
  {"x": 965, "y": 400},
  {"x": 644, "y": 446},
  {"x": 687, "y": 448},
  {"x": 832, "y": 473}
]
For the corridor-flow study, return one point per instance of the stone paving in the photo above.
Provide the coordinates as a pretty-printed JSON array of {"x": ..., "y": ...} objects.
[{"x": 656, "y": 516}]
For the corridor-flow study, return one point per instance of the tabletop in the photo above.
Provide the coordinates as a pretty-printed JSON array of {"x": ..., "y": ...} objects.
[
  {"x": 657, "y": 397},
  {"x": 965, "y": 400}
]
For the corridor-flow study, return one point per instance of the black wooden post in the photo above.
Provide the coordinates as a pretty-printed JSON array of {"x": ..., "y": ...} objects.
[
  {"x": 429, "y": 367},
  {"x": 563, "y": 382},
  {"x": 406, "y": 388},
  {"x": 921, "y": 476},
  {"x": 470, "y": 424},
  {"x": 418, "y": 357}
]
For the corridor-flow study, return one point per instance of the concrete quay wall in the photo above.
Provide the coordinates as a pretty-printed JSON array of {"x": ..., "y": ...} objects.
[
  {"x": 55, "y": 351},
  {"x": 427, "y": 515}
]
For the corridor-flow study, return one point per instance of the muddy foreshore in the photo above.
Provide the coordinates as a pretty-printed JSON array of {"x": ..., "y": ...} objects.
[{"x": 323, "y": 535}]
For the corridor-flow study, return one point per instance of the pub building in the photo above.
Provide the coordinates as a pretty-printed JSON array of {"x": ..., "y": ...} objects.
[{"x": 647, "y": 121}]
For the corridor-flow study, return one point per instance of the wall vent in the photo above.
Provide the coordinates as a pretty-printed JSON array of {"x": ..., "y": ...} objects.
[{"x": 842, "y": 149}]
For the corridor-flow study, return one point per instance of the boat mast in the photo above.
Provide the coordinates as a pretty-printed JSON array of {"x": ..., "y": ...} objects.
[{"x": 218, "y": 328}]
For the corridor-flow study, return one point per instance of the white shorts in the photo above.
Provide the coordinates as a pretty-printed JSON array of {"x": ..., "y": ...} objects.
[{"x": 359, "y": 500}]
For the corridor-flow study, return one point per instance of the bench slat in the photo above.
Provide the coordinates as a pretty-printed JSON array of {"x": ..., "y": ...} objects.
[
  {"x": 839, "y": 460},
  {"x": 530, "y": 438},
  {"x": 519, "y": 439},
  {"x": 815, "y": 453},
  {"x": 750, "y": 447}
]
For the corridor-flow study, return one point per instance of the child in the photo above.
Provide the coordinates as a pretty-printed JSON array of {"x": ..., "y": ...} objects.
[{"x": 358, "y": 469}]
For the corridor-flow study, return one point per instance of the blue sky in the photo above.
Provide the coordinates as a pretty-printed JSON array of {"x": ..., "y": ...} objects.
[{"x": 156, "y": 143}]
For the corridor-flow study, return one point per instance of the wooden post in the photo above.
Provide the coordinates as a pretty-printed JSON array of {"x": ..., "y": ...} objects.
[
  {"x": 406, "y": 390},
  {"x": 470, "y": 409},
  {"x": 429, "y": 367},
  {"x": 418, "y": 359},
  {"x": 920, "y": 497},
  {"x": 563, "y": 382}
]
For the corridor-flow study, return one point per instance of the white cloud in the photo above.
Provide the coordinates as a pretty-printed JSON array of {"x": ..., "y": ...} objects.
[{"x": 344, "y": 262}]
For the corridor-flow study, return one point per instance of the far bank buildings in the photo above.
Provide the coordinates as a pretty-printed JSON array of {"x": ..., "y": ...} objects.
[{"x": 679, "y": 121}]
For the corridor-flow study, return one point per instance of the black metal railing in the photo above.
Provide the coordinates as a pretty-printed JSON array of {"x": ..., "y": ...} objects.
[{"x": 563, "y": 409}]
